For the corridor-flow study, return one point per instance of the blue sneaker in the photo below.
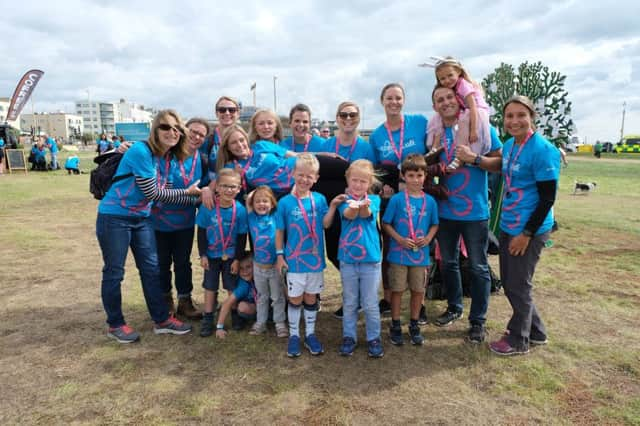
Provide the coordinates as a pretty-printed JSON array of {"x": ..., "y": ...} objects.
[
  {"x": 348, "y": 346},
  {"x": 123, "y": 334},
  {"x": 416, "y": 337},
  {"x": 395, "y": 335},
  {"x": 293, "y": 348},
  {"x": 375, "y": 348},
  {"x": 312, "y": 343}
]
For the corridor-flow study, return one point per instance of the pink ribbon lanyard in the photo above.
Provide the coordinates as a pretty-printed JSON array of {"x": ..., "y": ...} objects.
[
  {"x": 159, "y": 179},
  {"x": 226, "y": 242},
  {"x": 353, "y": 146},
  {"x": 217, "y": 144},
  {"x": 187, "y": 179},
  {"x": 244, "y": 169},
  {"x": 306, "y": 143},
  {"x": 509, "y": 172},
  {"x": 412, "y": 231},
  {"x": 310, "y": 225},
  {"x": 398, "y": 152}
]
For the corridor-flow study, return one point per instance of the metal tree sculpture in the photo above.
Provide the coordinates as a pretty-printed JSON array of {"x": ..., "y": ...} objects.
[{"x": 545, "y": 89}]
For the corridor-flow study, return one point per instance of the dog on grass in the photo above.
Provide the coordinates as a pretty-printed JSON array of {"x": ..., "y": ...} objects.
[{"x": 584, "y": 187}]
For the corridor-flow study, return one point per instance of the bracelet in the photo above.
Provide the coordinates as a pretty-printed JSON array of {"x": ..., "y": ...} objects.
[
  {"x": 279, "y": 252},
  {"x": 219, "y": 326}
]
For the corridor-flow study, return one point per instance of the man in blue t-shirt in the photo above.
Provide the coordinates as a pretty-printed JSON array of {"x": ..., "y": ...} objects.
[{"x": 464, "y": 215}]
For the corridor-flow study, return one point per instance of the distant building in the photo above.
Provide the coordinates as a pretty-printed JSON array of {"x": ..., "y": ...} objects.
[
  {"x": 134, "y": 113},
  {"x": 247, "y": 112},
  {"x": 101, "y": 117},
  {"x": 4, "y": 110},
  {"x": 54, "y": 124}
]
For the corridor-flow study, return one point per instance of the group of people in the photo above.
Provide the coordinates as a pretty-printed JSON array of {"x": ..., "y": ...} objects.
[
  {"x": 38, "y": 154},
  {"x": 367, "y": 202}
]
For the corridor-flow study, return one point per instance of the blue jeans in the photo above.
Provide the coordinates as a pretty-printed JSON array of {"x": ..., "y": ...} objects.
[
  {"x": 475, "y": 235},
  {"x": 175, "y": 247},
  {"x": 360, "y": 284},
  {"x": 115, "y": 235}
]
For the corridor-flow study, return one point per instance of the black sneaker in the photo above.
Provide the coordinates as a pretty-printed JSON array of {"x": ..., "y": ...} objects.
[
  {"x": 476, "y": 333},
  {"x": 395, "y": 335},
  {"x": 422, "y": 319},
  {"x": 339, "y": 313},
  {"x": 447, "y": 318},
  {"x": 206, "y": 327},
  {"x": 416, "y": 338},
  {"x": 538, "y": 339},
  {"x": 385, "y": 307}
]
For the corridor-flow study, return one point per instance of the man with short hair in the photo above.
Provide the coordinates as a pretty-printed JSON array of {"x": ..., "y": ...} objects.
[{"x": 465, "y": 215}]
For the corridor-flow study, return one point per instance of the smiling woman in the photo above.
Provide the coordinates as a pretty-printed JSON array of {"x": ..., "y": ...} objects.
[{"x": 123, "y": 221}]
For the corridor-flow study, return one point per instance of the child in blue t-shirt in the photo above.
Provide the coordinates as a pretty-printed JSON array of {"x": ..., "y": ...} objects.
[
  {"x": 222, "y": 236},
  {"x": 411, "y": 220},
  {"x": 242, "y": 299},
  {"x": 72, "y": 164},
  {"x": 261, "y": 204},
  {"x": 360, "y": 256},
  {"x": 299, "y": 217}
]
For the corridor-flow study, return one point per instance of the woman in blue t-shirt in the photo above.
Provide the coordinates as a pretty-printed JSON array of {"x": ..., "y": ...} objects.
[
  {"x": 392, "y": 141},
  {"x": 123, "y": 221},
  {"x": 530, "y": 167}
]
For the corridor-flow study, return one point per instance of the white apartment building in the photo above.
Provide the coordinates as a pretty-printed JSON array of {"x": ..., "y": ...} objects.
[
  {"x": 54, "y": 124},
  {"x": 129, "y": 112},
  {"x": 98, "y": 117},
  {"x": 4, "y": 110}
]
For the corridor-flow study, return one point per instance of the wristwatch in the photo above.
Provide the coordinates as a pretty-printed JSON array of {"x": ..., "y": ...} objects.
[
  {"x": 477, "y": 160},
  {"x": 527, "y": 233},
  {"x": 219, "y": 326}
]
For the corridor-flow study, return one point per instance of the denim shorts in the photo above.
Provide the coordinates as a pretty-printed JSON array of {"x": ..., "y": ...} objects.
[{"x": 218, "y": 267}]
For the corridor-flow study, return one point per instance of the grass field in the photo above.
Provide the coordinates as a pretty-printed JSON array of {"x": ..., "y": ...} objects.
[{"x": 58, "y": 367}]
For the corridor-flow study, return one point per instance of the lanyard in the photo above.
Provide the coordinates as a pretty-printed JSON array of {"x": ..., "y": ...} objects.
[
  {"x": 412, "y": 231},
  {"x": 310, "y": 225},
  {"x": 398, "y": 152},
  {"x": 306, "y": 143},
  {"x": 353, "y": 146},
  {"x": 217, "y": 135},
  {"x": 159, "y": 180},
  {"x": 244, "y": 170},
  {"x": 226, "y": 242},
  {"x": 187, "y": 179},
  {"x": 509, "y": 172}
]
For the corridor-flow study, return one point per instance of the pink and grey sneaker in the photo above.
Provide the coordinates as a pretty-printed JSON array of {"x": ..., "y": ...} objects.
[
  {"x": 502, "y": 347},
  {"x": 172, "y": 326},
  {"x": 123, "y": 334}
]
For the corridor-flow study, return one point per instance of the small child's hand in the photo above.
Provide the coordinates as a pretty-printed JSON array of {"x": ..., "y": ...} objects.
[
  {"x": 204, "y": 262},
  {"x": 221, "y": 334},
  {"x": 281, "y": 263},
  {"x": 235, "y": 266},
  {"x": 338, "y": 199},
  {"x": 407, "y": 243},
  {"x": 473, "y": 136},
  {"x": 364, "y": 204},
  {"x": 353, "y": 204},
  {"x": 422, "y": 242}
]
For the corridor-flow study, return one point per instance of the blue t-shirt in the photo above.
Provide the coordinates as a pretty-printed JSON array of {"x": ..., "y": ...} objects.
[
  {"x": 173, "y": 217},
  {"x": 40, "y": 153},
  {"x": 359, "y": 237},
  {"x": 103, "y": 145},
  {"x": 302, "y": 252},
  {"x": 263, "y": 235},
  {"x": 245, "y": 291},
  {"x": 415, "y": 133},
  {"x": 468, "y": 189},
  {"x": 52, "y": 145},
  {"x": 538, "y": 161},
  {"x": 269, "y": 166},
  {"x": 72, "y": 162},
  {"x": 424, "y": 214},
  {"x": 316, "y": 144},
  {"x": 125, "y": 198},
  {"x": 351, "y": 153},
  {"x": 1, "y": 143},
  {"x": 212, "y": 141},
  {"x": 208, "y": 218},
  {"x": 116, "y": 144}
]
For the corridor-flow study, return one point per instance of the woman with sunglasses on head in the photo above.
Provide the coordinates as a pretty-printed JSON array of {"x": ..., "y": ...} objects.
[
  {"x": 142, "y": 177},
  {"x": 227, "y": 112},
  {"x": 174, "y": 224},
  {"x": 400, "y": 135}
]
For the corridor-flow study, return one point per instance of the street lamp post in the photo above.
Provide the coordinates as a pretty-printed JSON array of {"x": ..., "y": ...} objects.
[
  {"x": 624, "y": 105},
  {"x": 275, "y": 102}
]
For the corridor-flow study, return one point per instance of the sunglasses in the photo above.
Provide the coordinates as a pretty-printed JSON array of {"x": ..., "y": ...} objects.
[
  {"x": 345, "y": 115},
  {"x": 167, "y": 127},
  {"x": 230, "y": 110}
]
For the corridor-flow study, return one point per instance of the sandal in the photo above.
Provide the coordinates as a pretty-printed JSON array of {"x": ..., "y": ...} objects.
[
  {"x": 258, "y": 328},
  {"x": 282, "y": 330}
]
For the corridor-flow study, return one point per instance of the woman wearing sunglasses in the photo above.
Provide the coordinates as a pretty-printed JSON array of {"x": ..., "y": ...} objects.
[
  {"x": 123, "y": 221},
  {"x": 347, "y": 143},
  {"x": 227, "y": 112}
]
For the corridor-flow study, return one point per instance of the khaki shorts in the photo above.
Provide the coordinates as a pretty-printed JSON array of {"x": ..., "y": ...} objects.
[{"x": 402, "y": 277}]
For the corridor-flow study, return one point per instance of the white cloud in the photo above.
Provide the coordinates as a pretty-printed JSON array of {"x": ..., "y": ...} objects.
[{"x": 185, "y": 55}]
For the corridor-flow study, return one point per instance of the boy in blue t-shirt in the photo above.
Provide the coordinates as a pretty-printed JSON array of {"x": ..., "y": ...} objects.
[
  {"x": 411, "y": 220},
  {"x": 243, "y": 297},
  {"x": 299, "y": 217},
  {"x": 72, "y": 164},
  {"x": 222, "y": 236}
]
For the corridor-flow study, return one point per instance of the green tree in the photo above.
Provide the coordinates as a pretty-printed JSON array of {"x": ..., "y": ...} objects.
[{"x": 545, "y": 89}]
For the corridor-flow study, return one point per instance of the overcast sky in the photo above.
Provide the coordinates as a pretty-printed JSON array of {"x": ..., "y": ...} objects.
[{"x": 186, "y": 54}]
